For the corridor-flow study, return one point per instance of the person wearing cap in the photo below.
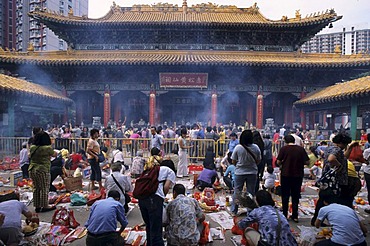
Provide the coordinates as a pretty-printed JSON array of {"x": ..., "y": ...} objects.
[
  {"x": 24, "y": 160},
  {"x": 233, "y": 142}
]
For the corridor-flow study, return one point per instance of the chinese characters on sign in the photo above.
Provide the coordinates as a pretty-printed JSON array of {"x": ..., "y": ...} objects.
[
  {"x": 183, "y": 80},
  {"x": 183, "y": 100}
]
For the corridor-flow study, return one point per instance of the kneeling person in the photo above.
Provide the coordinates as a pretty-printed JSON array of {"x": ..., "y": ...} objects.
[
  {"x": 347, "y": 228},
  {"x": 102, "y": 222},
  {"x": 183, "y": 215}
]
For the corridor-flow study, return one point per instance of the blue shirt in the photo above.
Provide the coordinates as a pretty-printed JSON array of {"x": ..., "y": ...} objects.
[
  {"x": 156, "y": 141},
  {"x": 230, "y": 169},
  {"x": 232, "y": 144},
  {"x": 367, "y": 145},
  {"x": 201, "y": 134},
  {"x": 346, "y": 225},
  {"x": 104, "y": 215},
  {"x": 13, "y": 218},
  {"x": 206, "y": 175}
]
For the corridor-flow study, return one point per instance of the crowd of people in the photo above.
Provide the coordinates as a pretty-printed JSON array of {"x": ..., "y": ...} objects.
[{"x": 243, "y": 165}]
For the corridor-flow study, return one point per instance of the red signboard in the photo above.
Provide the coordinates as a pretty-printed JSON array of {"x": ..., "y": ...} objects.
[
  {"x": 183, "y": 80},
  {"x": 106, "y": 108},
  {"x": 259, "y": 110}
]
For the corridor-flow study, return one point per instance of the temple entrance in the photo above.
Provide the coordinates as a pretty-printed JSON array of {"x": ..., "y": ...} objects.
[{"x": 183, "y": 107}]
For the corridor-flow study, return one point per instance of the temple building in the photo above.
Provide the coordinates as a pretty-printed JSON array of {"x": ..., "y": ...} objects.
[{"x": 185, "y": 63}]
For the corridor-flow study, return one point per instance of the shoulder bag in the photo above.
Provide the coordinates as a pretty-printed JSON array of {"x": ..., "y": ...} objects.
[
  {"x": 127, "y": 197},
  {"x": 251, "y": 153}
]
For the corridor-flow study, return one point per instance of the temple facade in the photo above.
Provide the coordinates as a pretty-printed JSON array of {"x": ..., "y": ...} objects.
[{"x": 185, "y": 63}]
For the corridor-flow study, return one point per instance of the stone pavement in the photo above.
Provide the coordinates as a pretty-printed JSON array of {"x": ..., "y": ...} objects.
[{"x": 134, "y": 218}]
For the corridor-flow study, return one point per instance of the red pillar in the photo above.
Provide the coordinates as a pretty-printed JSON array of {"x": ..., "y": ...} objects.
[
  {"x": 107, "y": 107},
  {"x": 152, "y": 108},
  {"x": 214, "y": 109},
  {"x": 302, "y": 113},
  {"x": 288, "y": 114},
  {"x": 65, "y": 114},
  {"x": 312, "y": 120},
  {"x": 259, "y": 111}
]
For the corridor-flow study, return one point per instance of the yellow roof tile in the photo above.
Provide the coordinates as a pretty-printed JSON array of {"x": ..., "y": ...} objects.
[
  {"x": 164, "y": 13},
  {"x": 194, "y": 57},
  {"x": 338, "y": 92},
  {"x": 9, "y": 83}
]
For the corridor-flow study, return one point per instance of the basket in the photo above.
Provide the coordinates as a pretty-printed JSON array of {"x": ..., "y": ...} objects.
[{"x": 73, "y": 183}]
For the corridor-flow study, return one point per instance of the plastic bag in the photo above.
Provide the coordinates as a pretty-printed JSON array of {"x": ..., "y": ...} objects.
[
  {"x": 77, "y": 199},
  {"x": 205, "y": 236},
  {"x": 308, "y": 235}
]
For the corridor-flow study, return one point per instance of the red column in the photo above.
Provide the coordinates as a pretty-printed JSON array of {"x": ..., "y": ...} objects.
[
  {"x": 288, "y": 114},
  {"x": 312, "y": 120},
  {"x": 107, "y": 107},
  {"x": 302, "y": 113},
  {"x": 65, "y": 114},
  {"x": 152, "y": 108},
  {"x": 259, "y": 111},
  {"x": 214, "y": 109}
]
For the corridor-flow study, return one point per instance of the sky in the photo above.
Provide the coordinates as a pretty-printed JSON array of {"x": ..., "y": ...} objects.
[{"x": 354, "y": 12}]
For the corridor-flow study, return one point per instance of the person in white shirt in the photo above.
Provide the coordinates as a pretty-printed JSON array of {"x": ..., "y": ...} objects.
[
  {"x": 117, "y": 156},
  {"x": 119, "y": 182},
  {"x": 24, "y": 160},
  {"x": 269, "y": 178}
]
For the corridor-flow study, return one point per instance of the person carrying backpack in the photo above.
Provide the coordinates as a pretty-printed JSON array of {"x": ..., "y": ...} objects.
[{"x": 150, "y": 189}]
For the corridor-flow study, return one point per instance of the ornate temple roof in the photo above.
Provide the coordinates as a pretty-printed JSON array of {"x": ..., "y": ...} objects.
[
  {"x": 15, "y": 85},
  {"x": 200, "y": 14},
  {"x": 194, "y": 57},
  {"x": 340, "y": 91}
]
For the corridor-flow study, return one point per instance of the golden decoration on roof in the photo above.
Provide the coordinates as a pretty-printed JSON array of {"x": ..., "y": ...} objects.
[
  {"x": 338, "y": 49},
  {"x": 9, "y": 83},
  {"x": 200, "y": 13},
  {"x": 339, "y": 91},
  {"x": 297, "y": 14},
  {"x": 30, "y": 47},
  {"x": 70, "y": 12}
]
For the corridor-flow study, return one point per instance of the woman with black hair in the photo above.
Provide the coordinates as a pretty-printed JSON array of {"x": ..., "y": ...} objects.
[
  {"x": 182, "y": 168},
  {"x": 246, "y": 156},
  {"x": 39, "y": 169},
  {"x": 257, "y": 139},
  {"x": 209, "y": 158}
]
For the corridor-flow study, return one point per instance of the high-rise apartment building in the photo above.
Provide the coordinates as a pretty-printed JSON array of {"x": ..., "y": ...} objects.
[
  {"x": 351, "y": 40},
  {"x": 8, "y": 23},
  {"x": 31, "y": 31}
]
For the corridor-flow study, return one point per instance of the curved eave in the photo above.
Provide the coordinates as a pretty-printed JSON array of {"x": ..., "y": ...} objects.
[
  {"x": 35, "y": 96},
  {"x": 182, "y": 61},
  {"x": 333, "y": 96},
  {"x": 100, "y": 23}
]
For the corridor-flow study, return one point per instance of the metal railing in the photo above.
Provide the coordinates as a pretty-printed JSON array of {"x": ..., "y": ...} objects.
[{"x": 11, "y": 146}]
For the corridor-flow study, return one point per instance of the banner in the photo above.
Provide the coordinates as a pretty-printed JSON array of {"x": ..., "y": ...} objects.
[
  {"x": 106, "y": 108},
  {"x": 183, "y": 80}
]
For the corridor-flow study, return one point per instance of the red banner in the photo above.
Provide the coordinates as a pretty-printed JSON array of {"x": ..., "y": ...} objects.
[
  {"x": 106, "y": 108},
  {"x": 152, "y": 108},
  {"x": 259, "y": 123},
  {"x": 214, "y": 109},
  {"x": 183, "y": 80}
]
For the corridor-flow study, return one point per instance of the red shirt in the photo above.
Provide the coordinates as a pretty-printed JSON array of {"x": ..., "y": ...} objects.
[
  {"x": 76, "y": 159},
  {"x": 364, "y": 137},
  {"x": 293, "y": 158},
  {"x": 276, "y": 137}
]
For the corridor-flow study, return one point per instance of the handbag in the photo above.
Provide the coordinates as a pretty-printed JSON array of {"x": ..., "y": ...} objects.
[
  {"x": 101, "y": 157},
  {"x": 329, "y": 180}
]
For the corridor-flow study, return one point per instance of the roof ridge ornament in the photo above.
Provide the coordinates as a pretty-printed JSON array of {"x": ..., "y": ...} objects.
[
  {"x": 70, "y": 12},
  {"x": 30, "y": 47},
  {"x": 116, "y": 8},
  {"x": 298, "y": 15},
  {"x": 184, "y": 7}
]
